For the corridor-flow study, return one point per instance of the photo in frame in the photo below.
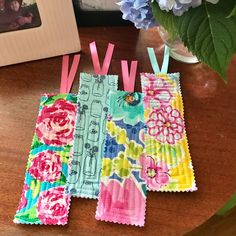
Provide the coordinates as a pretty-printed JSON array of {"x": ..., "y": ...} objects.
[
  {"x": 36, "y": 29},
  {"x": 18, "y": 14}
]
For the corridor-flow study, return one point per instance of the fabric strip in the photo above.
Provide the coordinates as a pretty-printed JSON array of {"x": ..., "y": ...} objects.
[
  {"x": 90, "y": 130},
  {"x": 43, "y": 199},
  {"x": 122, "y": 197},
  {"x": 168, "y": 162}
]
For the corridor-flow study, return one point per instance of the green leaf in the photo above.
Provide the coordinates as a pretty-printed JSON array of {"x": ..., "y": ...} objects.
[
  {"x": 36, "y": 143},
  {"x": 122, "y": 165},
  {"x": 233, "y": 12},
  {"x": 228, "y": 205},
  {"x": 72, "y": 98},
  {"x": 209, "y": 35},
  {"x": 65, "y": 155},
  {"x": 35, "y": 186},
  {"x": 52, "y": 99},
  {"x": 170, "y": 186},
  {"x": 152, "y": 146},
  {"x": 106, "y": 167},
  {"x": 62, "y": 180},
  {"x": 121, "y": 136},
  {"x": 165, "y": 19},
  {"x": 134, "y": 150},
  {"x": 29, "y": 216}
]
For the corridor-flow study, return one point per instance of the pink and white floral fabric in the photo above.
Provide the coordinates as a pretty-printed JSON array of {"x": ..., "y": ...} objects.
[
  {"x": 156, "y": 174},
  {"x": 46, "y": 166},
  {"x": 166, "y": 125},
  {"x": 53, "y": 206},
  {"x": 167, "y": 164},
  {"x": 157, "y": 91},
  {"x": 56, "y": 123},
  {"x": 44, "y": 199}
]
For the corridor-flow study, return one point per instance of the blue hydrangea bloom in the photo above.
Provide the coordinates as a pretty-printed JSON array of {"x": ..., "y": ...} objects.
[
  {"x": 180, "y": 6},
  {"x": 139, "y": 12}
]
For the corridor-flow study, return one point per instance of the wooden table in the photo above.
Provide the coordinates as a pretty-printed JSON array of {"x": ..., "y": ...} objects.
[{"x": 210, "y": 113}]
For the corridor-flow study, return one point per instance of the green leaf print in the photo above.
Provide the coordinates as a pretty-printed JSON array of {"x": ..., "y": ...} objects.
[
  {"x": 152, "y": 147},
  {"x": 65, "y": 154},
  {"x": 172, "y": 154},
  {"x": 121, "y": 136},
  {"x": 106, "y": 167},
  {"x": 29, "y": 216},
  {"x": 31, "y": 157},
  {"x": 117, "y": 132},
  {"x": 170, "y": 186},
  {"x": 35, "y": 187},
  {"x": 52, "y": 99},
  {"x": 134, "y": 150},
  {"x": 62, "y": 180},
  {"x": 72, "y": 98},
  {"x": 122, "y": 165},
  {"x": 35, "y": 143}
]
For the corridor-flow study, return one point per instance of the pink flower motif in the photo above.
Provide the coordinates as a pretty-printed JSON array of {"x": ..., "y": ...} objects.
[
  {"x": 122, "y": 203},
  {"x": 53, "y": 206},
  {"x": 166, "y": 124},
  {"x": 156, "y": 90},
  {"x": 55, "y": 124},
  {"x": 24, "y": 200},
  {"x": 156, "y": 175},
  {"x": 46, "y": 166}
]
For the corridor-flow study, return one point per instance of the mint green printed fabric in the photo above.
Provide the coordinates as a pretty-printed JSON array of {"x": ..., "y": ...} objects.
[
  {"x": 43, "y": 199},
  {"x": 89, "y": 137}
]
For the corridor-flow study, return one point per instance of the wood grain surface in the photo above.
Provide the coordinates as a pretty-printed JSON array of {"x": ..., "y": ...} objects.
[{"x": 210, "y": 114}]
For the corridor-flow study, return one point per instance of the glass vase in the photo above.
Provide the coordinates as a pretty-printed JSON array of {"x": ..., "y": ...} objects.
[{"x": 177, "y": 49}]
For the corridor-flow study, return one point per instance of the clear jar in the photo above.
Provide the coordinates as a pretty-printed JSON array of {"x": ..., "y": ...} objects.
[{"x": 177, "y": 49}]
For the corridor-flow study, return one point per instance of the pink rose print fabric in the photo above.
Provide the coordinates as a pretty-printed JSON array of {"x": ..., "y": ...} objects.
[
  {"x": 44, "y": 200},
  {"x": 55, "y": 123},
  {"x": 167, "y": 161},
  {"x": 53, "y": 206},
  {"x": 46, "y": 166}
]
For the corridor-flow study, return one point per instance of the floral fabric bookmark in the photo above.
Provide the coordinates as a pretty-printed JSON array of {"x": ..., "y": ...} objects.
[
  {"x": 43, "y": 199},
  {"x": 89, "y": 137},
  {"x": 168, "y": 165},
  {"x": 122, "y": 197}
]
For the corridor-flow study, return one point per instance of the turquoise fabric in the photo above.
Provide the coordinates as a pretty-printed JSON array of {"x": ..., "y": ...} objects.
[
  {"x": 89, "y": 136},
  {"x": 127, "y": 106}
]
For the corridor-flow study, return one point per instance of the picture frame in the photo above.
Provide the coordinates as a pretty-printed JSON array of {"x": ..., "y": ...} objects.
[
  {"x": 100, "y": 16},
  {"x": 56, "y": 35}
]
